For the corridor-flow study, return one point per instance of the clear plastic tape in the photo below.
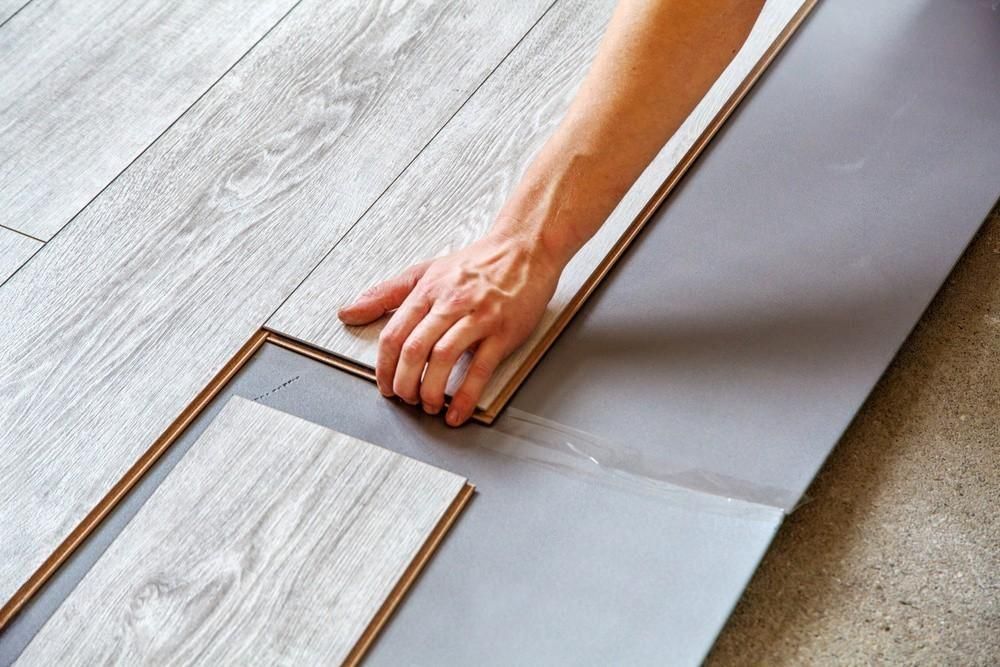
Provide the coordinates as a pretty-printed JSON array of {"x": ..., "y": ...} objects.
[{"x": 566, "y": 449}]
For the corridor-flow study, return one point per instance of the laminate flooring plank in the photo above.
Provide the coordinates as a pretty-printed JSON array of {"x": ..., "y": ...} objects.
[
  {"x": 15, "y": 250},
  {"x": 121, "y": 319},
  {"x": 10, "y": 7},
  {"x": 87, "y": 86},
  {"x": 452, "y": 191},
  {"x": 274, "y": 540}
]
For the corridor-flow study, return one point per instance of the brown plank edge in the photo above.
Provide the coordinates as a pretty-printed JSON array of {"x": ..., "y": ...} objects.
[
  {"x": 173, "y": 432},
  {"x": 485, "y": 416}
]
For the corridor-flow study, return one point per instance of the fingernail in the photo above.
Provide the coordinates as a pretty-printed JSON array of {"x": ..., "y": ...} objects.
[
  {"x": 452, "y": 417},
  {"x": 431, "y": 410}
]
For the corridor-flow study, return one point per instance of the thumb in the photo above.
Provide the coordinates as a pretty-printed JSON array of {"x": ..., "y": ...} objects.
[{"x": 375, "y": 302}]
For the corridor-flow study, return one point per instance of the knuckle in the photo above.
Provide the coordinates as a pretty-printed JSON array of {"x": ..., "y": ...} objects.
[
  {"x": 480, "y": 370},
  {"x": 389, "y": 338},
  {"x": 413, "y": 349},
  {"x": 463, "y": 400},
  {"x": 430, "y": 396},
  {"x": 491, "y": 319},
  {"x": 444, "y": 350},
  {"x": 401, "y": 391},
  {"x": 455, "y": 300},
  {"x": 423, "y": 290}
]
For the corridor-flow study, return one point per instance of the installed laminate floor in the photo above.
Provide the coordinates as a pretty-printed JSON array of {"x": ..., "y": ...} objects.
[
  {"x": 87, "y": 86},
  {"x": 10, "y": 7},
  {"x": 450, "y": 194},
  {"x": 15, "y": 249},
  {"x": 121, "y": 319},
  {"x": 273, "y": 541}
]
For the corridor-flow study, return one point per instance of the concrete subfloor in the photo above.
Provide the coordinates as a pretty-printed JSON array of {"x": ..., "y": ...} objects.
[{"x": 896, "y": 556}]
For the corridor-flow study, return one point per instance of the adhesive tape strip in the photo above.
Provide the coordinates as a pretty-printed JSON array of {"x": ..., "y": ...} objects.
[
  {"x": 571, "y": 451},
  {"x": 565, "y": 448}
]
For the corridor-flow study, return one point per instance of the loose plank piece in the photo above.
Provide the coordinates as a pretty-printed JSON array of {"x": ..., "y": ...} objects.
[
  {"x": 449, "y": 195},
  {"x": 274, "y": 540},
  {"x": 120, "y": 320}
]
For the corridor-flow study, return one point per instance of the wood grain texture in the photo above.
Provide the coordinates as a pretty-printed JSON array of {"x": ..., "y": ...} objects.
[
  {"x": 449, "y": 196},
  {"x": 87, "y": 86},
  {"x": 274, "y": 540},
  {"x": 15, "y": 250},
  {"x": 123, "y": 317},
  {"x": 10, "y": 7}
]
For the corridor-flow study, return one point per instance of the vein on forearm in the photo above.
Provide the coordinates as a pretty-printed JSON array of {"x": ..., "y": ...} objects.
[{"x": 655, "y": 62}]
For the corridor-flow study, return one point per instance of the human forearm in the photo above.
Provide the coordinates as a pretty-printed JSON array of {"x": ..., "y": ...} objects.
[{"x": 656, "y": 61}]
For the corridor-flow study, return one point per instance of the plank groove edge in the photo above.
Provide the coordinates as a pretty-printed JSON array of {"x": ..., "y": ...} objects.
[
  {"x": 343, "y": 363},
  {"x": 409, "y": 577},
  {"x": 128, "y": 480}
]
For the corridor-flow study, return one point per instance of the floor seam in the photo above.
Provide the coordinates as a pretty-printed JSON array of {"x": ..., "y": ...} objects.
[
  {"x": 159, "y": 136},
  {"x": 16, "y": 12},
  {"x": 18, "y": 231}
]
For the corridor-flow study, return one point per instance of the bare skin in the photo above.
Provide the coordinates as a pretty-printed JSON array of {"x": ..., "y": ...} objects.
[{"x": 656, "y": 61}]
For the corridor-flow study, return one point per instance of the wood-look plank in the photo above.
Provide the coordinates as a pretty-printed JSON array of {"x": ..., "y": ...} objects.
[
  {"x": 15, "y": 250},
  {"x": 87, "y": 86},
  {"x": 122, "y": 318},
  {"x": 10, "y": 7},
  {"x": 449, "y": 196},
  {"x": 274, "y": 540}
]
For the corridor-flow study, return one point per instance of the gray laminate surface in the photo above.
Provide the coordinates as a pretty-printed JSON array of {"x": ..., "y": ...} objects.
[
  {"x": 15, "y": 250},
  {"x": 10, "y": 7},
  {"x": 85, "y": 87}
]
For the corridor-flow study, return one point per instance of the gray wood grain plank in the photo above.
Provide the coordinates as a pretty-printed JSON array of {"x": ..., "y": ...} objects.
[
  {"x": 10, "y": 7},
  {"x": 450, "y": 194},
  {"x": 15, "y": 250},
  {"x": 87, "y": 86},
  {"x": 273, "y": 541},
  {"x": 121, "y": 319}
]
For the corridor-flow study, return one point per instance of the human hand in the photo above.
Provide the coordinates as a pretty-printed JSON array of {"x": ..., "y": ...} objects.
[{"x": 487, "y": 297}]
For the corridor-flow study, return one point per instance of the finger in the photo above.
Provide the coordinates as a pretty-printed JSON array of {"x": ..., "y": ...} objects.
[
  {"x": 415, "y": 351},
  {"x": 444, "y": 355},
  {"x": 391, "y": 340},
  {"x": 380, "y": 299},
  {"x": 486, "y": 359}
]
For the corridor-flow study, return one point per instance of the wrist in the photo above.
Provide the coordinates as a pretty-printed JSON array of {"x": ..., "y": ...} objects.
[{"x": 546, "y": 246}]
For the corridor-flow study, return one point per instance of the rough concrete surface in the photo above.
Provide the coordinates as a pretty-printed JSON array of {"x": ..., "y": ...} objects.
[{"x": 896, "y": 557}]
